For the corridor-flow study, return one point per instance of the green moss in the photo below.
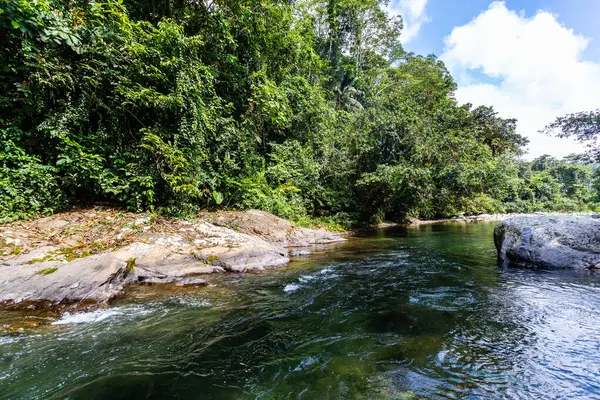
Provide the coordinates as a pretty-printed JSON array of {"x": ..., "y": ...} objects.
[
  {"x": 130, "y": 266},
  {"x": 39, "y": 259},
  {"x": 73, "y": 252},
  {"x": 76, "y": 229},
  {"x": 97, "y": 247},
  {"x": 212, "y": 259},
  {"x": 9, "y": 249},
  {"x": 233, "y": 226},
  {"x": 47, "y": 271}
]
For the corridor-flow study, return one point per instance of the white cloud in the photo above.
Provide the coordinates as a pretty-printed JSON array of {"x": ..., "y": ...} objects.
[
  {"x": 535, "y": 67},
  {"x": 414, "y": 15}
]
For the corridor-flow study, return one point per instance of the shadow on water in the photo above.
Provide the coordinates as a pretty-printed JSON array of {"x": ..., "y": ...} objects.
[{"x": 406, "y": 313}]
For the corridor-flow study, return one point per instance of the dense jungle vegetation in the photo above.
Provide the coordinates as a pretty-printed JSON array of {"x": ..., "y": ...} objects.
[{"x": 306, "y": 108}]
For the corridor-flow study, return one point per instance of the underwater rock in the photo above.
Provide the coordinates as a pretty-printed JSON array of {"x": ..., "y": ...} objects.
[
  {"x": 299, "y": 252},
  {"x": 191, "y": 282}
]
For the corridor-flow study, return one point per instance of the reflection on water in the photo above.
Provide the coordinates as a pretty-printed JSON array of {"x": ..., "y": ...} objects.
[{"x": 420, "y": 312}]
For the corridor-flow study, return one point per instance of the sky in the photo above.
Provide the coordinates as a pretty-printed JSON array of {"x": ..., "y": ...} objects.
[{"x": 533, "y": 60}]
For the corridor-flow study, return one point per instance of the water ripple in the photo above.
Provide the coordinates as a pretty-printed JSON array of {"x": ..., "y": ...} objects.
[{"x": 422, "y": 313}]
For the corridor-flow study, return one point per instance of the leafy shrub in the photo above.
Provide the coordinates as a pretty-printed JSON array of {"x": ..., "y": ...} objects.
[{"x": 26, "y": 186}]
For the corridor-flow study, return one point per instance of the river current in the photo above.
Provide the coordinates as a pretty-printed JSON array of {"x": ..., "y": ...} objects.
[{"x": 408, "y": 313}]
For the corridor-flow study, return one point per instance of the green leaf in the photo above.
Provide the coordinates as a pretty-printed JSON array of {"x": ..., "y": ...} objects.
[
  {"x": 217, "y": 196},
  {"x": 1, "y": 11},
  {"x": 15, "y": 24}
]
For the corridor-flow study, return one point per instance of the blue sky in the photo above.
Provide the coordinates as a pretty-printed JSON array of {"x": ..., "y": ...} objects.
[
  {"x": 581, "y": 15},
  {"x": 532, "y": 60}
]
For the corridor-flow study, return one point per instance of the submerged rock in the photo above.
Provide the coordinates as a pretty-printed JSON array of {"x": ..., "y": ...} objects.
[
  {"x": 299, "y": 252},
  {"x": 192, "y": 282},
  {"x": 177, "y": 256},
  {"x": 550, "y": 241}
]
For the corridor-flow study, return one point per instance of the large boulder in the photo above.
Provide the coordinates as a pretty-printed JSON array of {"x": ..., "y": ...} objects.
[{"x": 550, "y": 241}]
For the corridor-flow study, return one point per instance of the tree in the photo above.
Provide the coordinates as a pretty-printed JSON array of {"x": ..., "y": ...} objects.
[
  {"x": 302, "y": 108},
  {"x": 583, "y": 126},
  {"x": 498, "y": 133}
]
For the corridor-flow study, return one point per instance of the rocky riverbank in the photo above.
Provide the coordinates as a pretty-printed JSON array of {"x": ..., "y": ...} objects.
[
  {"x": 461, "y": 219},
  {"x": 465, "y": 218},
  {"x": 473, "y": 218},
  {"x": 89, "y": 256}
]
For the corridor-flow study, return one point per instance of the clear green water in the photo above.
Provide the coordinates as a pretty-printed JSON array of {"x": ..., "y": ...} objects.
[{"x": 414, "y": 313}]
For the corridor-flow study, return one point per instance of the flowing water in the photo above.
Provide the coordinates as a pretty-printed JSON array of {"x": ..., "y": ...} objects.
[{"x": 412, "y": 313}]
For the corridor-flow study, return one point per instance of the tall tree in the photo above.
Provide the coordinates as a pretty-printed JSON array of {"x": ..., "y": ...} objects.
[{"x": 583, "y": 126}]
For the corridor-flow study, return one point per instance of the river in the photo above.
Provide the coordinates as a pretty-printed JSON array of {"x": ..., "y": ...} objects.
[{"x": 408, "y": 313}]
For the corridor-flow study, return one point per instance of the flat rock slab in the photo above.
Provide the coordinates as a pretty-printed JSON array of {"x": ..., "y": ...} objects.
[
  {"x": 271, "y": 228},
  {"x": 179, "y": 256},
  {"x": 550, "y": 241}
]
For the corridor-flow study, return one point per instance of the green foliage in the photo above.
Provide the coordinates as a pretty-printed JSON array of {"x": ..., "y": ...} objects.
[
  {"x": 27, "y": 187},
  {"x": 308, "y": 109},
  {"x": 548, "y": 184},
  {"x": 583, "y": 126}
]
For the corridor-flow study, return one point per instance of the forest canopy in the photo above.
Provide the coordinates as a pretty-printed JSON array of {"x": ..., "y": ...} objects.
[{"x": 306, "y": 108}]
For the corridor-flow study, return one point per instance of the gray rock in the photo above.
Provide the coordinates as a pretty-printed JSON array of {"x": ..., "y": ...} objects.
[
  {"x": 236, "y": 252},
  {"x": 167, "y": 259},
  {"x": 550, "y": 241},
  {"x": 272, "y": 229},
  {"x": 142, "y": 221},
  {"x": 197, "y": 248},
  {"x": 304, "y": 237},
  {"x": 49, "y": 223}
]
